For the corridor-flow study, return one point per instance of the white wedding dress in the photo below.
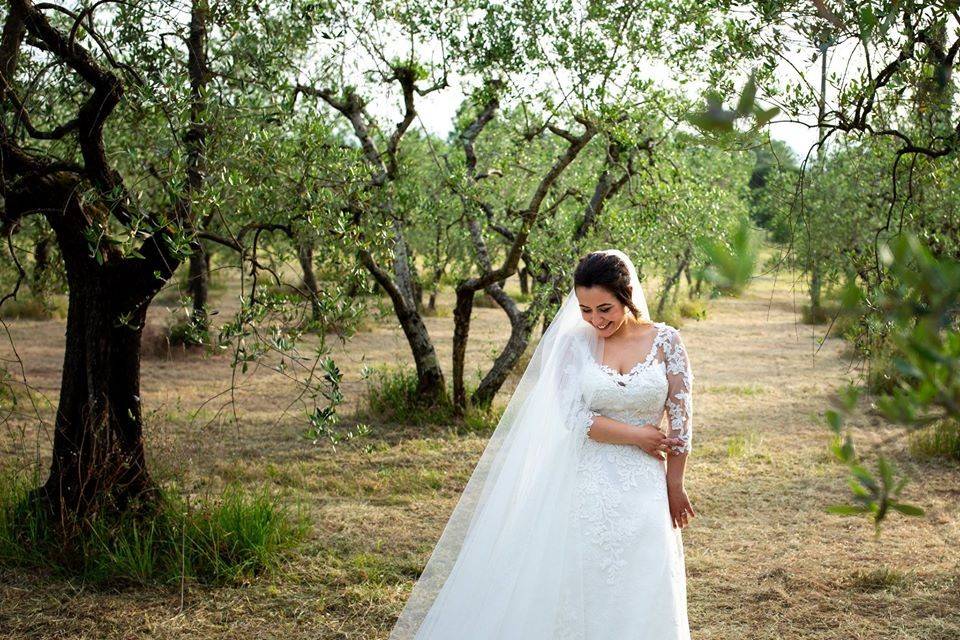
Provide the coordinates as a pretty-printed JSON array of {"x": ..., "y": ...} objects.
[
  {"x": 632, "y": 582},
  {"x": 558, "y": 536}
]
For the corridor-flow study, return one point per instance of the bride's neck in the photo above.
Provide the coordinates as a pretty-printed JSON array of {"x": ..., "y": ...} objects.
[{"x": 628, "y": 328}]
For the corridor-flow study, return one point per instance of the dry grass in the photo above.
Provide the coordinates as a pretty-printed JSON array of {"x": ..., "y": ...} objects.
[{"x": 764, "y": 560}]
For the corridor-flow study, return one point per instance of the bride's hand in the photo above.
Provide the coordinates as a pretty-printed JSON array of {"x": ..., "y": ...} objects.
[
  {"x": 680, "y": 507},
  {"x": 654, "y": 442}
]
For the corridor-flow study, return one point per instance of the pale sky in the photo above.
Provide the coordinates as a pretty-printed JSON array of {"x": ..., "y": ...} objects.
[{"x": 436, "y": 110}]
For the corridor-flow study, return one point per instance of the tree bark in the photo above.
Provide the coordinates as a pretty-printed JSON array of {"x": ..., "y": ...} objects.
[
  {"x": 98, "y": 454},
  {"x": 195, "y": 141},
  {"x": 198, "y": 284},
  {"x": 305, "y": 256}
]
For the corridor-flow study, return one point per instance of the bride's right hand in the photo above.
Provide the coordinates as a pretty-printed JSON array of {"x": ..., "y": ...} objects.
[{"x": 654, "y": 442}]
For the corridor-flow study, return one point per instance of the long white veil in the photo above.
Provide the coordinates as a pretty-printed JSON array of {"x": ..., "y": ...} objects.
[{"x": 500, "y": 563}]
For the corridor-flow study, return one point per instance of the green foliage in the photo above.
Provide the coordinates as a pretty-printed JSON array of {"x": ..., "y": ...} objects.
[
  {"x": 693, "y": 308},
  {"x": 920, "y": 302},
  {"x": 873, "y": 494},
  {"x": 670, "y": 314},
  {"x": 717, "y": 121},
  {"x": 228, "y": 540},
  {"x": 188, "y": 333},
  {"x": 918, "y": 309},
  {"x": 731, "y": 267},
  {"x": 392, "y": 397},
  {"x": 323, "y": 420}
]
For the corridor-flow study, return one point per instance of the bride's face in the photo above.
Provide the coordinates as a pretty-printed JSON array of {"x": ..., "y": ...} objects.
[{"x": 601, "y": 309}]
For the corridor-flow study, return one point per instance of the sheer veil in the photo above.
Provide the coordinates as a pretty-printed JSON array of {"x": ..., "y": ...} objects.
[{"x": 498, "y": 567}]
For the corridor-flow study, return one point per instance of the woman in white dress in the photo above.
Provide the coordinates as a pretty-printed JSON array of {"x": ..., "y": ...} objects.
[{"x": 570, "y": 524}]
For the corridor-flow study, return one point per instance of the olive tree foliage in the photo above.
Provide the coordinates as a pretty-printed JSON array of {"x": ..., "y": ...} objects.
[
  {"x": 114, "y": 120},
  {"x": 874, "y": 204},
  {"x": 559, "y": 116},
  {"x": 698, "y": 194},
  {"x": 896, "y": 88}
]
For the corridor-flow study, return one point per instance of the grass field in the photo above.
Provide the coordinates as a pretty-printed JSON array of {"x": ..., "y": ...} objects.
[{"x": 764, "y": 560}]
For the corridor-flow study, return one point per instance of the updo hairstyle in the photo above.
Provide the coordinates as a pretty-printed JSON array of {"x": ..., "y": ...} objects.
[{"x": 610, "y": 272}]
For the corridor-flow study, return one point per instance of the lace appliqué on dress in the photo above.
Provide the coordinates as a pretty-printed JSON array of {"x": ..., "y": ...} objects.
[{"x": 679, "y": 402}]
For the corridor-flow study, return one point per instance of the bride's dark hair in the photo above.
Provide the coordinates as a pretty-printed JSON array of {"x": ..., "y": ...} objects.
[{"x": 610, "y": 272}]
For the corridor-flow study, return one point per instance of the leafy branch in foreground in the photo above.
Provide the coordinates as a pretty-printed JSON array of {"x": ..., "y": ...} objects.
[
  {"x": 920, "y": 302},
  {"x": 872, "y": 494}
]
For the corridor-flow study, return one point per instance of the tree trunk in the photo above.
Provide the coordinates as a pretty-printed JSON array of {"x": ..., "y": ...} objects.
[
  {"x": 98, "y": 456},
  {"x": 430, "y": 382},
  {"x": 198, "y": 284},
  {"x": 41, "y": 263},
  {"x": 462, "y": 313},
  {"x": 305, "y": 256},
  {"x": 816, "y": 311},
  {"x": 195, "y": 141},
  {"x": 672, "y": 281},
  {"x": 521, "y": 327}
]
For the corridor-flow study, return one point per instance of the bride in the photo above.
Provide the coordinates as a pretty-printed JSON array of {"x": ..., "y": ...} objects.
[{"x": 569, "y": 527}]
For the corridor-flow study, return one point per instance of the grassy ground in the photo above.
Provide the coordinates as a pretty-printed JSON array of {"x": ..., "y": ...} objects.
[{"x": 764, "y": 560}]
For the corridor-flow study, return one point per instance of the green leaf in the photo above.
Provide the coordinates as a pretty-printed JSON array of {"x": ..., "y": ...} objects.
[
  {"x": 847, "y": 509},
  {"x": 834, "y": 420},
  {"x": 867, "y": 22},
  {"x": 765, "y": 116},
  {"x": 907, "y": 509},
  {"x": 747, "y": 97},
  {"x": 865, "y": 477}
]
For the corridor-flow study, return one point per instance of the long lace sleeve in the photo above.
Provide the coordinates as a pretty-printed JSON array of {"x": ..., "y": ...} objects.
[
  {"x": 679, "y": 404},
  {"x": 581, "y": 416}
]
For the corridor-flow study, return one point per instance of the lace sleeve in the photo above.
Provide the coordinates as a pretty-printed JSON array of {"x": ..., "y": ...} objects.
[
  {"x": 679, "y": 404},
  {"x": 580, "y": 416}
]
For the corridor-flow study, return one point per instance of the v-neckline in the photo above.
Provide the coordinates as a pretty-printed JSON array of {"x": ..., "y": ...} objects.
[{"x": 640, "y": 363}]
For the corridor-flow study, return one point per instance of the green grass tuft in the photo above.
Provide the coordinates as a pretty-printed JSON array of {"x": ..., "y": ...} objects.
[
  {"x": 938, "y": 440},
  {"x": 228, "y": 540}
]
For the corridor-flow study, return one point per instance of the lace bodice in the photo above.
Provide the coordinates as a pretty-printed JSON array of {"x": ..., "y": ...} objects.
[{"x": 660, "y": 384}]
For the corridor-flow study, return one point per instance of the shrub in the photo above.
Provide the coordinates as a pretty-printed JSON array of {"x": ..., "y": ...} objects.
[{"x": 392, "y": 397}]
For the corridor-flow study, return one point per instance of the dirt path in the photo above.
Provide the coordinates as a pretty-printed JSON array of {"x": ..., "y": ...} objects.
[{"x": 764, "y": 560}]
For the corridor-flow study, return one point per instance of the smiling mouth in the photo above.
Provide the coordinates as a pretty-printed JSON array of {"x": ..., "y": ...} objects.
[{"x": 604, "y": 326}]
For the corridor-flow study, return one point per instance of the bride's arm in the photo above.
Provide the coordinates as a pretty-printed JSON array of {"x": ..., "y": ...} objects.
[
  {"x": 679, "y": 409},
  {"x": 604, "y": 429}
]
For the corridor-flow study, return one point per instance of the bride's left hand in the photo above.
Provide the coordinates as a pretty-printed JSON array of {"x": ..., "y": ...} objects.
[{"x": 680, "y": 508}]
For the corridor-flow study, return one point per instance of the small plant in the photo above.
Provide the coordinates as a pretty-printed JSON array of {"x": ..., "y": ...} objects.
[
  {"x": 33, "y": 308},
  {"x": 671, "y": 314},
  {"x": 693, "y": 308}
]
